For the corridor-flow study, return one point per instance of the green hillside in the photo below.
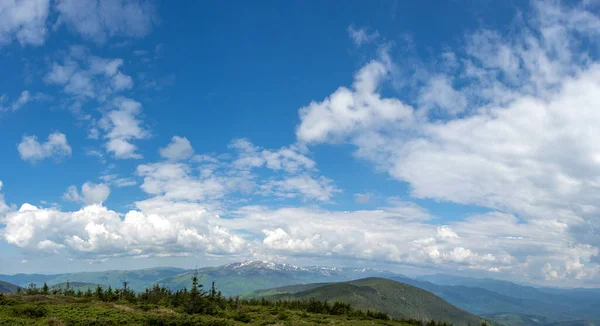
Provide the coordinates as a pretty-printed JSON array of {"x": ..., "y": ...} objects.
[
  {"x": 7, "y": 287},
  {"x": 290, "y": 289},
  {"x": 397, "y": 299}
]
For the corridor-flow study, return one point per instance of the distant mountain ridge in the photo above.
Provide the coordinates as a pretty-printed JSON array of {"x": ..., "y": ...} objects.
[
  {"x": 232, "y": 279},
  {"x": 251, "y": 275}
]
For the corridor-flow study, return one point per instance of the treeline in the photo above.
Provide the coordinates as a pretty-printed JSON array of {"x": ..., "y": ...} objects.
[{"x": 211, "y": 302}]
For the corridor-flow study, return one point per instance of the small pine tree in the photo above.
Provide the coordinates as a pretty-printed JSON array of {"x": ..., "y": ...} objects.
[{"x": 45, "y": 289}]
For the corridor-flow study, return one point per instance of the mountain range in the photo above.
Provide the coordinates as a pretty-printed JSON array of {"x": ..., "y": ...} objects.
[{"x": 502, "y": 301}]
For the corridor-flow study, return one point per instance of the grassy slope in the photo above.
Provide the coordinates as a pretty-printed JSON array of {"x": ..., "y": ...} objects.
[
  {"x": 48, "y": 310},
  {"x": 394, "y": 298},
  {"x": 6, "y": 287}
]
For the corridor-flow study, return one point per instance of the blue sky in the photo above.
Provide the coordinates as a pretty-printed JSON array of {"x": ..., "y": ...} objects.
[{"x": 452, "y": 136}]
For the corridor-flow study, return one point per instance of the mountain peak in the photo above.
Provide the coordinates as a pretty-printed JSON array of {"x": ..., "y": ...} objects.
[{"x": 262, "y": 264}]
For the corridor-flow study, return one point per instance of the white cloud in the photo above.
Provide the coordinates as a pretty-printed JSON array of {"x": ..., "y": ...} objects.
[
  {"x": 94, "y": 193},
  {"x": 91, "y": 193},
  {"x": 290, "y": 159},
  {"x": 122, "y": 125},
  {"x": 121, "y": 82},
  {"x": 99, "y": 20},
  {"x": 23, "y": 20},
  {"x": 179, "y": 149},
  {"x": 122, "y": 149},
  {"x": 305, "y": 186},
  {"x": 23, "y": 99},
  {"x": 517, "y": 137},
  {"x": 86, "y": 77},
  {"x": 72, "y": 194},
  {"x": 32, "y": 150},
  {"x": 439, "y": 93},
  {"x": 94, "y": 232},
  {"x": 285, "y": 173},
  {"x": 347, "y": 112},
  {"x": 118, "y": 182}
]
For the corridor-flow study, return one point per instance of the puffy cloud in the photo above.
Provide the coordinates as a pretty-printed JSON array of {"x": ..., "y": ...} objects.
[
  {"x": 512, "y": 130},
  {"x": 94, "y": 232},
  {"x": 289, "y": 174},
  {"x": 290, "y": 159},
  {"x": 347, "y": 112},
  {"x": 32, "y": 150},
  {"x": 493, "y": 242},
  {"x": 72, "y": 194},
  {"x": 122, "y": 149},
  {"x": 176, "y": 181},
  {"x": 439, "y": 93},
  {"x": 94, "y": 193},
  {"x": 121, "y": 126},
  {"x": 179, "y": 149},
  {"x": 23, "y": 20},
  {"x": 121, "y": 81},
  {"x": 91, "y": 193},
  {"x": 99, "y": 20},
  {"x": 85, "y": 76}
]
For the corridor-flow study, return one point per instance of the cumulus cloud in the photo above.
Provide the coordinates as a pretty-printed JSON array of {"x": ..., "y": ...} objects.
[
  {"x": 99, "y": 20},
  {"x": 290, "y": 159},
  {"x": 180, "y": 148},
  {"x": 121, "y": 126},
  {"x": 515, "y": 134},
  {"x": 347, "y": 112},
  {"x": 94, "y": 232},
  {"x": 56, "y": 146},
  {"x": 91, "y": 193},
  {"x": 23, "y": 20},
  {"x": 85, "y": 76},
  {"x": 94, "y": 193}
]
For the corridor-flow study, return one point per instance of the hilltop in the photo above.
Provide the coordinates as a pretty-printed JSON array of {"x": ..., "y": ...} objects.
[{"x": 397, "y": 299}]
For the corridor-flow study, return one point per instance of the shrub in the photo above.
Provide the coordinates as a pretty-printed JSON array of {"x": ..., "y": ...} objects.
[
  {"x": 242, "y": 317},
  {"x": 31, "y": 311}
]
